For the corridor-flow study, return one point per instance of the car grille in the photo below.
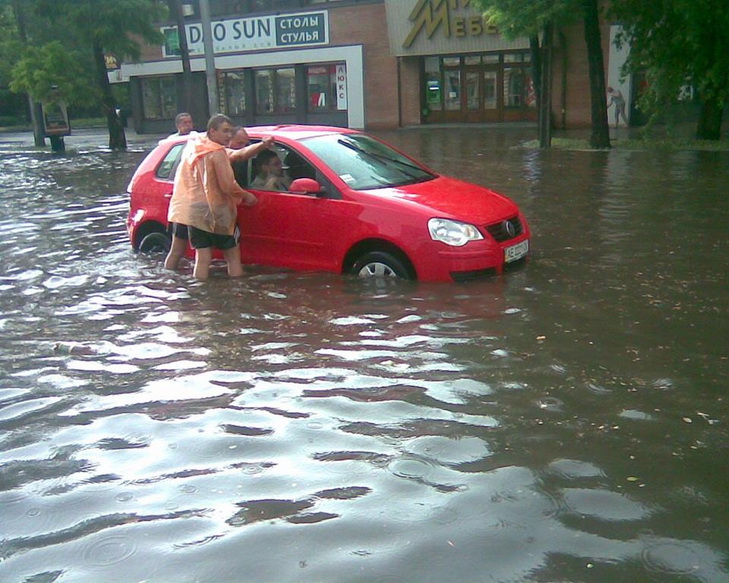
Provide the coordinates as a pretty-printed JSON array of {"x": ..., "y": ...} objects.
[
  {"x": 476, "y": 275},
  {"x": 505, "y": 230}
]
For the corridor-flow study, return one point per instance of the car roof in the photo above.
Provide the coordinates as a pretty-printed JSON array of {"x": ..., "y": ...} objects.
[
  {"x": 286, "y": 131},
  {"x": 296, "y": 131}
]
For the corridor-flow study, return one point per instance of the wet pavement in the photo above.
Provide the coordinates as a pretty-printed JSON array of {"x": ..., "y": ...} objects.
[{"x": 564, "y": 422}]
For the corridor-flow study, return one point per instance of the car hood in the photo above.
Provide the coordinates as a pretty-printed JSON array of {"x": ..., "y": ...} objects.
[{"x": 451, "y": 198}]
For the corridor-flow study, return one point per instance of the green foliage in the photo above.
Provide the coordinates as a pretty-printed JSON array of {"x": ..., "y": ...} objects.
[
  {"x": 113, "y": 23},
  {"x": 60, "y": 38},
  {"x": 516, "y": 18},
  {"x": 677, "y": 43},
  {"x": 52, "y": 65}
]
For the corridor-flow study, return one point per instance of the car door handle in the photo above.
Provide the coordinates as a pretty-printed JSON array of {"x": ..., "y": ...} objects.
[{"x": 168, "y": 195}]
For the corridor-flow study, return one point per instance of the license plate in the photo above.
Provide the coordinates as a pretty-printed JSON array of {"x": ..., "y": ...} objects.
[{"x": 516, "y": 251}]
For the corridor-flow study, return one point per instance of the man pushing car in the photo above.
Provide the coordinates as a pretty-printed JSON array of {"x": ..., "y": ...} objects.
[{"x": 206, "y": 196}]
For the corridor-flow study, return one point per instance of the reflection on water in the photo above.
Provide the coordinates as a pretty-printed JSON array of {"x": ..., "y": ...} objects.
[{"x": 566, "y": 422}]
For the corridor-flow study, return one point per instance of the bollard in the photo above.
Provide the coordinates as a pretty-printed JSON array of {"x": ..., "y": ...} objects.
[{"x": 57, "y": 144}]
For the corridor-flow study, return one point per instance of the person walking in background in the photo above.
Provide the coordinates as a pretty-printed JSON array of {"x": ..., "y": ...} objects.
[
  {"x": 178, "y": 232},
  {"x": 183, "y": 123},
  {"x": 205, "y": 197},
  {"x": 617, "y": 99}
]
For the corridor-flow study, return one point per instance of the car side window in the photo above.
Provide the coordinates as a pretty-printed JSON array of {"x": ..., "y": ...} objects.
[
  {"x": 275, "y": 169},
  {"x": 168, "y": 166}
]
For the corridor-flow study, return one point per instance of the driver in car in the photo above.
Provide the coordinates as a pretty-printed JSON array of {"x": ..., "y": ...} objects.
[{"x": 270, "y": 174}]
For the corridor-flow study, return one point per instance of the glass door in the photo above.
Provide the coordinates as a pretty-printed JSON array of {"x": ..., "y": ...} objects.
[
  {"x": 490, "y": 90},
  {"x": 452, "y": 90}
]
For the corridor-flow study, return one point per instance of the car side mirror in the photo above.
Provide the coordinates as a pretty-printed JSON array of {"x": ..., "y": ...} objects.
[{"x": 306, "y": 186}]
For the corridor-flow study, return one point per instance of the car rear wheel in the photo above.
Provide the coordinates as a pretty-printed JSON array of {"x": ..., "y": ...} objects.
[
  {"x": 379, "y": 264},
  {"x": 155, "y": 243}
]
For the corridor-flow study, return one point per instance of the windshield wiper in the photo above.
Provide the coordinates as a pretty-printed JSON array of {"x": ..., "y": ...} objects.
[{"x": 386, "y": 159}]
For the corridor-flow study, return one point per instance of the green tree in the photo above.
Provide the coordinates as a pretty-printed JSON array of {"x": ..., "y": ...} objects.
[
  {"x": 40, "y": 69},
  {"x": 679, "y": 43},
  {"x": 89, "y": 29},
  {"x": 534, "y": 17},
  {"x": 13, "y": 39}
]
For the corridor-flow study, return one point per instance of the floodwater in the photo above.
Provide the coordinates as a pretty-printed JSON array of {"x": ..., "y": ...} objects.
[{"x": 566, "y": 422}]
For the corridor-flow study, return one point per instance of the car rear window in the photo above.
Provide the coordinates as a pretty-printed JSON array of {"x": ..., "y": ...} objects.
[{"x": 166, "y": 168}]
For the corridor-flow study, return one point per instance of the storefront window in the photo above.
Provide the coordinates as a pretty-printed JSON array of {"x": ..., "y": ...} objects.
[
  {"x": 516, "y": 58},
  {"x": 472, "y": 93},
  {"x": 285, "y": 90},
  {"x": 478, "y": 87},
  {"x": 453, "y": 90},
  {"x": 264, "y": 92},
  {"x": 235, "y": 94},
  {"x": 490, "y": 79},
  {"x": 321, "y": 82},
  {"x": 275, "y": 91},
  {"x": 159, "y": 97},
  {"x": 518, "y": 88}
]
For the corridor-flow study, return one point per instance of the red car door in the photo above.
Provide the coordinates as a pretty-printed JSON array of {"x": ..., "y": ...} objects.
[{"x": 289, "y": 230}]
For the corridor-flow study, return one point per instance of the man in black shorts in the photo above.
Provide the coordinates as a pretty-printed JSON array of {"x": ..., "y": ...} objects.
[
  {"x": 239, "y": 151},
  {"x": 206, "y": 196},
  {"x": 178, "y": 232}
]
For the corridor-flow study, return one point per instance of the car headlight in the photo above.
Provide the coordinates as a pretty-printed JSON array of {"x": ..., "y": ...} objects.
[{"x": 453, "y": 233}]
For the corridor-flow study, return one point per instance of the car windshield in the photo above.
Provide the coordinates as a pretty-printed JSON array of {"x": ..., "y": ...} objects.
[{"x": 364, "y": 163}]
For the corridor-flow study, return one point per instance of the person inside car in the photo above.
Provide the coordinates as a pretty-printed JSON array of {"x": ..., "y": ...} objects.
[
  {"x": 240, "y": 150},
  {"x": 269, "y": 172}
]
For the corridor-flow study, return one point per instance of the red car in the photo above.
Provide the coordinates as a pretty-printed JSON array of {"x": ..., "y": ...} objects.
[{"x": 354, "y": 205}]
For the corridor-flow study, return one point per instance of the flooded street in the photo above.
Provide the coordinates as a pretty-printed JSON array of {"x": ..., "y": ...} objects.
[{"x": 566, "y": 422}]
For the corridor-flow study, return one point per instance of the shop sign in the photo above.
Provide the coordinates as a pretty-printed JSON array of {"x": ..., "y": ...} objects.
[
  {"x": 112, "y": 63},
  {"x": 439, "y": 16},
  {"x": 443, "y": 27},
  {"x": 341, "y": 87},
  {"x": 252, "y": 34}
]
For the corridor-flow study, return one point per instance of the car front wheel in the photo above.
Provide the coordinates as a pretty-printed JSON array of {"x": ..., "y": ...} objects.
[
  {"x": 155, "y": 243},
  {"x": 379, "y": 264}
]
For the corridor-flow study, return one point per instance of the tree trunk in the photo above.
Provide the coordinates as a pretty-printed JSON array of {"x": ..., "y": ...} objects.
[
  {"x": 710, "y": 118},
  {"x": 117, "y": 137},
  {"x": 39, "y": 136},
  {"x": 36, "y": 118},
  {"x": 545, "y": 105},
  {"x": 600, "y": 136}
]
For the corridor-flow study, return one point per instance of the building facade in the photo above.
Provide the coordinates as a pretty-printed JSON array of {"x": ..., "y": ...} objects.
[{"x": 355, "y": 63}]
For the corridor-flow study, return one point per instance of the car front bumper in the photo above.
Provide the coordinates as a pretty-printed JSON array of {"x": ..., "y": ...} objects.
[{"x": 475, "y": 260}]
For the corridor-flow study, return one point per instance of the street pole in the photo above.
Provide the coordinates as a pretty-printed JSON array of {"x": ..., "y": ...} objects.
[
  {"x": 212, "y": 81},
  {"x": 175, "y": 8}
]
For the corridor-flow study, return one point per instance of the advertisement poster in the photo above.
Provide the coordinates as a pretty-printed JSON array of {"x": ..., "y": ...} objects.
[{"x": 55, "y": 119}]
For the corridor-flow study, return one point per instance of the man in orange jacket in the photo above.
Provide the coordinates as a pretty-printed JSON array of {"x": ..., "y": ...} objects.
[{"x": 206, "y": 196}]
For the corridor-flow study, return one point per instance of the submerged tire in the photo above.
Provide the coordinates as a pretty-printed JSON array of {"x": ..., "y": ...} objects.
[
  {"x": 156, "y": 242},
  {"x": 379, "y": 264}
]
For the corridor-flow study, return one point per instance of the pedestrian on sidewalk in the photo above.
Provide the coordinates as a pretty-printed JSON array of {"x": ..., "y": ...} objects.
[{"x": 617, "y": 99}]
